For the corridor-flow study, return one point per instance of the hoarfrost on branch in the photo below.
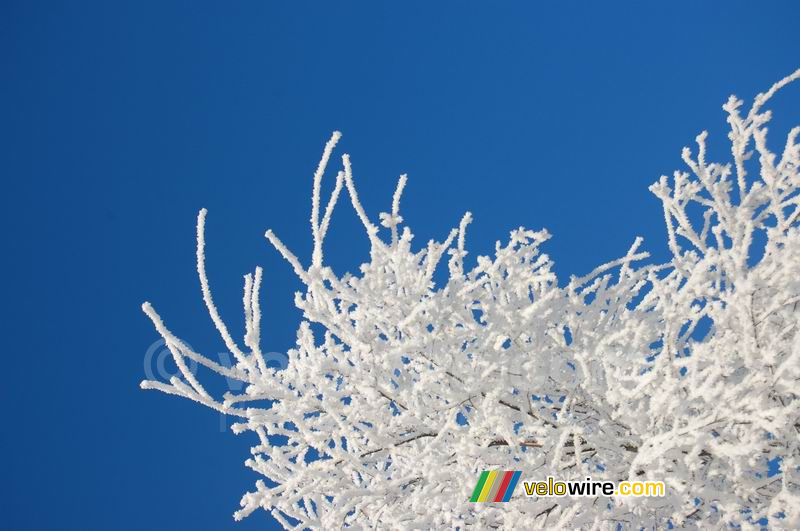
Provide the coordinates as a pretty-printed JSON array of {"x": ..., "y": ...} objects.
[{"x": 685, "y": 372}]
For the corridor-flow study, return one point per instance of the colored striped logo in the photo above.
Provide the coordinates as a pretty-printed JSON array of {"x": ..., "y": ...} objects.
[{"x": 495, "y": 486}]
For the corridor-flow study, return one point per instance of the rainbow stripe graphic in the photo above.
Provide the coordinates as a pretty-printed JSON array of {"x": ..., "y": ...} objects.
[{"x": 495, "y": 486}]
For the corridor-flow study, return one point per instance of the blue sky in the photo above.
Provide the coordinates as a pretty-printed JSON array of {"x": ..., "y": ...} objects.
[{"x": 119, "y": 122}]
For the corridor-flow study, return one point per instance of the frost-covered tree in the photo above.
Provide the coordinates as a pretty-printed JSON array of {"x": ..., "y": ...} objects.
[{"x": 404, "y": 389}]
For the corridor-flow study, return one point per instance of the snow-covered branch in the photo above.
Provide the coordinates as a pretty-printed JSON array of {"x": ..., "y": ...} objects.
[{"x": 406, "y": 389}]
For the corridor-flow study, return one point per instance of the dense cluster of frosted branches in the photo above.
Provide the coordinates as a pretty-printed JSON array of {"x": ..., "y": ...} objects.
[{"x": 685, "y": 372}]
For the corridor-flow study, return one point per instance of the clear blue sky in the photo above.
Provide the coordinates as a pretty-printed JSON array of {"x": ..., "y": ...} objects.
[{"x": 121, "y": 119}]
